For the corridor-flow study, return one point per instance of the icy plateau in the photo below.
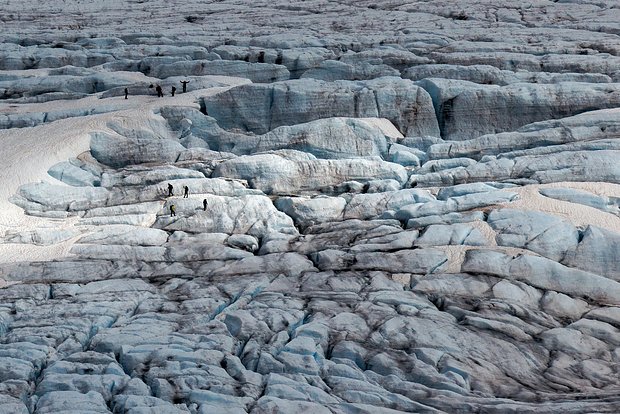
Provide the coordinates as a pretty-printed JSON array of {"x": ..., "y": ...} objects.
[{"x": 393, "y": 207}]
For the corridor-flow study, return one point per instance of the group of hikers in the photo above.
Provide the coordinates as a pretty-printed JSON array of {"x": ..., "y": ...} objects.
[
  {"x": 173, "y": 208},
  {"x": 160, "y": 91}
]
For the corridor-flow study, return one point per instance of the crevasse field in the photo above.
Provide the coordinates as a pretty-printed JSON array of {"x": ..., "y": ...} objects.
[{"x": 411, "y": 207}]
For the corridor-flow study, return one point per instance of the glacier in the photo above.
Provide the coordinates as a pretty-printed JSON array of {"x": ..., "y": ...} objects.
[{"x": 393, "y": 207}]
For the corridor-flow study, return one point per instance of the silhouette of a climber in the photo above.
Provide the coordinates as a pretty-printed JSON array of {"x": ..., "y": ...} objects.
[{"x": 184, "y": 83}]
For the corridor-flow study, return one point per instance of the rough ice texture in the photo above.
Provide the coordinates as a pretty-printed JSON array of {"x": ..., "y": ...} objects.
[
  {"x": 393, "y": 207},
  {"x": 261, "y": 108},
  {"x": 467, "y": 110}
]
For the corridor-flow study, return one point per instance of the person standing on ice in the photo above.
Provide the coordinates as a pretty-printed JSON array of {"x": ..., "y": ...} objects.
[
  {"x": 185, "y": 191},
  {"x": 160, "y": 93},
  {"x": 184, "y": 83},
  {"x": 204, "y": 205},
  {"x": 126, "y": 92},
  {"x": 173, "y": 210},
  {"x": 170, "y": 193},
  {"x": 173, "y": 90}
]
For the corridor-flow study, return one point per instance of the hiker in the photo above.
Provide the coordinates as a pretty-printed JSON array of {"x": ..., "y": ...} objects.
[
  {"x": 170, "y": 193},
  {"x": 173, "y": 90},
  {"x": 173, "y": 210},
  {"x": 126, "y": 92},
  {"x": 160, "y": 93},
  {"x": 185, "y": 191},
  {"x": 184, "y": 85},
  {"x": 204, "y": 205}
]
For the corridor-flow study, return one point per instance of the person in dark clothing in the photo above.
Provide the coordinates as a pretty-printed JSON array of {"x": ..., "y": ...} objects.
[
  {"x": 126, "y": 92},
  {"x": 204, "y": 205},
  {"x": 173, "y": 90},
  {"x": 160, "y": 93},
  {"x": 173, "y": 210},
  {"x": 185, "y": 191},
  {"x": 184, "y": 83},
  {"x": 170, "y": 193}
]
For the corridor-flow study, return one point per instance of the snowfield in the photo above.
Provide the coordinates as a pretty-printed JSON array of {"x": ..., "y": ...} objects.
[{"x": 393, "y": 207}]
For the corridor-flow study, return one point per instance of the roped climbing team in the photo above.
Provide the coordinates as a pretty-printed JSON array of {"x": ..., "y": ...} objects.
[
  {"x": 173, "y": 208},
  {"x": 160, "y": 91}
]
